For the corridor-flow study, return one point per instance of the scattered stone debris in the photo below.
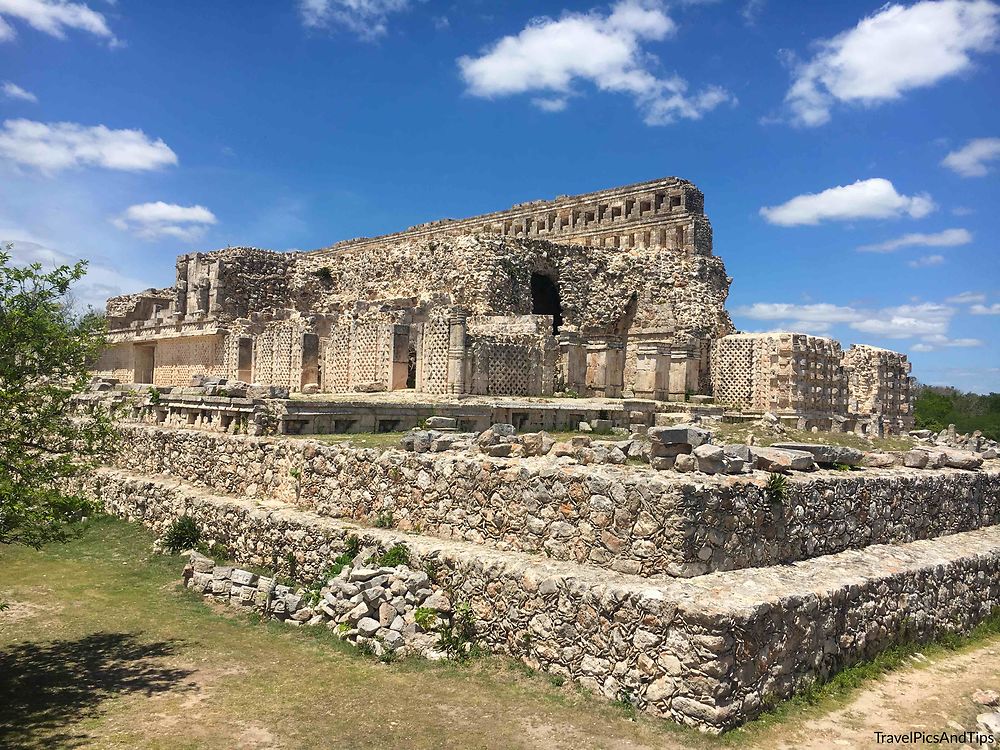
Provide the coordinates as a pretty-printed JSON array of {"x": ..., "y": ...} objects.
[
  {"x": 392, "y": 610},
  {"x": 683, "y": 448}
]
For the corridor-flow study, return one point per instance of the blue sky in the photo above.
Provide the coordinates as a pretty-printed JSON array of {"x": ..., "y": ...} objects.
[{"x": 133, "y": 131}]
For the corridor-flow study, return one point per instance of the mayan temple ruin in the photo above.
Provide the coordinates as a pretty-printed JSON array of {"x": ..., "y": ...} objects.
[
  {"x": 614, "y": 294},
  {"x": 583, "y": 464}
]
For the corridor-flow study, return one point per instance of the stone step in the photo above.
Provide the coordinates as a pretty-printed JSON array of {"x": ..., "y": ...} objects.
[
  {"x": 711, "y": 651},
  {"x": 629, "y": 519}
]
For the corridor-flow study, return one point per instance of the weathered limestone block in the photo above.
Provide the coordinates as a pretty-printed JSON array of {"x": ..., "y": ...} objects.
[{"x": 826, "y": 455}]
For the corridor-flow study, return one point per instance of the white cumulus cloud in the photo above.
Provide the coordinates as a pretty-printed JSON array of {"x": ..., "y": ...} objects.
[
  {"x": 366, "y": 18},
  {"x": 54, "y": 17},
  {"x": 13, "y": 91},
  {"x": 52, "y": 147},
  {"x": 556, "y": 56},
  {"x": 895, "y": 50},
  {"x": 875, "y": 198},
  {"x": 993, "y": 309},
  {"x": 928, "y": 322},
  {"x": 945, "y": 238},
  {"x": 970, "y": 160},
  {"x": 159, "y": 219}
]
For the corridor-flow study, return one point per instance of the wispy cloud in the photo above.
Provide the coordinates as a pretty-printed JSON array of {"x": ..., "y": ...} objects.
[
  {"x": 926, "y": 261},
  {"x": 993, "y": 309},
  {"x": 875, "y": 198},
  {"x": 557, "y": 57},
  {"x": 971, "y": 160},
  {"x": 928, "y": 322},
  {"x": 368, "y": 19},
  {"x": 966, "y": 298},
  {"x": 946, "y": 238},
  {"x": 102, "y": 280},
  {"x": 895, "y": 50},
  {"x": 55, "y": 18},
  {"x": 13, "y": 91}
]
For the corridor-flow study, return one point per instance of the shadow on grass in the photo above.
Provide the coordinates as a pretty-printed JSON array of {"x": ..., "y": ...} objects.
[{"x": 47, "y": 688}]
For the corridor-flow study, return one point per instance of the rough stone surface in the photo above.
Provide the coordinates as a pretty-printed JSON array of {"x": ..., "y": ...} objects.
[
  {"x": 599, "y": 514},
  {"x": 826, "y": 455},
  {"x": 711, "y": 651}
]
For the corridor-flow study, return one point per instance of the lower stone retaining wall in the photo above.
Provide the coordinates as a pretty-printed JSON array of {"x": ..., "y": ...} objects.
[
  {"x": 711, "y": 651},
  {"x": 628, "y": 518}
]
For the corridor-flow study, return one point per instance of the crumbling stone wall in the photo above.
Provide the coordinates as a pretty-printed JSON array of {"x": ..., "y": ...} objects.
[
  {"x": 630, "y": 262},
  {"x": 793, "y": 374},
  {"x": 712, "y": 651},
  {"x": 126, "y": 309},
  {"x": 783, "y": 373},
  {"x": 879, "y": 385}
]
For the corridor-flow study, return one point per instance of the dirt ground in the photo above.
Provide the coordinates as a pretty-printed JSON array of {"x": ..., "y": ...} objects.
[{"x": 101, "y": 648}]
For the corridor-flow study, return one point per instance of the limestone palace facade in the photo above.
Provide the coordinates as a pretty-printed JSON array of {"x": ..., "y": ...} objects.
[{"x": 613, "y": 294}]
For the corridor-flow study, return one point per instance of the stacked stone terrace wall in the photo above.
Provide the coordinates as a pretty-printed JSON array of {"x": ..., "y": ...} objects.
[
  {"x": 711, "y": 652},
  {"x": 623, "y": 518}
]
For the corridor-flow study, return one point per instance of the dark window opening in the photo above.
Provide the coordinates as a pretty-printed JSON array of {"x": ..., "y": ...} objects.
[
  {"x": 545, "y": 299},
  {"x": 411, "y": 367},
  {"x": 387, "y": 425}
]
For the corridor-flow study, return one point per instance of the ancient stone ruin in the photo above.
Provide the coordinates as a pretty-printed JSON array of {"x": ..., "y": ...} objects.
[
  {"x": 613, "y": 294},
  {"x": 638, "y": 554}
]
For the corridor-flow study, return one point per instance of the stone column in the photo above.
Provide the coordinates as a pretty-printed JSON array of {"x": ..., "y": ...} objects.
[
  {"x": 574, "y": 361},
  {"x": 457, "y": 327}
]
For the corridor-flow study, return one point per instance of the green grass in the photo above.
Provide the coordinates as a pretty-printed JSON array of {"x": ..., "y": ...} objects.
[
  {"x": 359, "y": 439},
  {"x": 102, "y": 648}
]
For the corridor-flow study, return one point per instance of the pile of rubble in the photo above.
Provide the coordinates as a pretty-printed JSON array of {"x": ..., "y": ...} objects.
[
  {"x": 682, "y": 448},
  {"x": 949, "y": 438},
  {"x": 200, "y": 385},
  {"x": 394, "y": 610}
]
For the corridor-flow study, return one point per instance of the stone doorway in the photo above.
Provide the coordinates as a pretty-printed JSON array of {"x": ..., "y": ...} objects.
[
  {"x": 411, "y": 366},
  {"x": 545, "y": 299},
  {"x": 244, "y": 361},
  {"x": 310, "y": 360},
  {"x": 145, "y": 363}
]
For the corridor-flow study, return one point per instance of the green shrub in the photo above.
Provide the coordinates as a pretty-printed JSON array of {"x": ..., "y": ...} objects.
[
  {"x": 183, "y": 534},
  {"x": 458, "y": 639},
  {"x": 776, "y": 488},
  {"x": 397, "y": 554},
  {"x": 384, "y": 520},
  {"x": 426, "y": 618},
  {"x": 324, "y": 274}
]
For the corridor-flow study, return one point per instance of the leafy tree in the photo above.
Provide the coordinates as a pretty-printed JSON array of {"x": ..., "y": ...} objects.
[
  {"x": 46, "y": 349},
  {"x": 936, "y": 407}
]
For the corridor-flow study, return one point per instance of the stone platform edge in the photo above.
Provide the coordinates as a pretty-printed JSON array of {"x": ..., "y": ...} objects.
[
  {"x": 712, "y": 651},
  {"x": 628, "y": 519}
]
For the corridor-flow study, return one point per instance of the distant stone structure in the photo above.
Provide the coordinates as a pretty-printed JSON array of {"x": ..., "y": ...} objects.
[
  {"x": 614, "y": 294},
  {"x": 812, "y": 380}
]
